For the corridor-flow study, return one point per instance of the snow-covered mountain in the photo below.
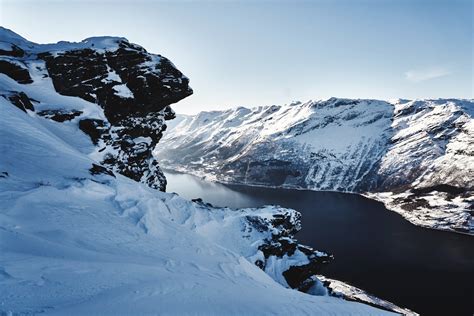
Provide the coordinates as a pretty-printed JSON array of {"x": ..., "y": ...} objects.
[
  {"x": 416, "y": 156},
  {"x": 83, "y": 228}
]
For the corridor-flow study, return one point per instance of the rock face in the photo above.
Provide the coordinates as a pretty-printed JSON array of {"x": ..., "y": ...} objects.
[
  {"x": 15, "y": 71},
  {"x": 280, "y": 245},
  {"x": 405, "y": 153},
  {"x": 131, "y": 88}
]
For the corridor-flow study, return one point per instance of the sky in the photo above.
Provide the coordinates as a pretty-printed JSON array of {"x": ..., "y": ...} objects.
[{"x": 251, "y": 53}]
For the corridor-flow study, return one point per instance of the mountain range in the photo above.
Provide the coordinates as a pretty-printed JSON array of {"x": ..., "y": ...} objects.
[{"x": 416, "y": 156}]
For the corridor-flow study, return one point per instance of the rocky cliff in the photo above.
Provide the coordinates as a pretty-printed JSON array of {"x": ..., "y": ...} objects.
[{"x": 127, "y": 93}]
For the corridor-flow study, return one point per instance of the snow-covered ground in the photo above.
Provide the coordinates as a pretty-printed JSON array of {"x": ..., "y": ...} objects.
[
  {"x": 415, "y": 156},
  {"x": 77, "y": 238}
]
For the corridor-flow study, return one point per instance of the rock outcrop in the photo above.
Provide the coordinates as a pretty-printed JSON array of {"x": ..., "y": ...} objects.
[{"x": 131, "y": 88}]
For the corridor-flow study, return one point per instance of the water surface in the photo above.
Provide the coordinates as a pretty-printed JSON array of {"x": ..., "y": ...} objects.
[{"x": 428, "y": 271}]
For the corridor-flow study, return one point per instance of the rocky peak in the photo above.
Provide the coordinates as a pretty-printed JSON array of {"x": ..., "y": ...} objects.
[{"x": 130, "y": 88}]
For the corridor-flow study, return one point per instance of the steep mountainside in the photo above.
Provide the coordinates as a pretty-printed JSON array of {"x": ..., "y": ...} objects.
[
  {"x": 132, "y": 88},
  {"x": 83, "y": 230},
  {"x": 417, "y": 156}
]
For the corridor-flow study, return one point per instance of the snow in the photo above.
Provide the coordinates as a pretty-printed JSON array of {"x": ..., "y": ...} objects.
[
  {"x": 344, "y": 135},
  {"x": 123, "y": 91},
  {"x": 10, "y": 37},
  {"x": 359, "y": 295},
  {"x": 42, "y": 90},
  {"x": 100, "y": 44},
  {"x": 441, "y": 211},
  {"x": 111, "y": 76},
  {"x": 150, "y": 65},
  {"x": 142, "y": 139},
  {"x": 76, "y": 244}
]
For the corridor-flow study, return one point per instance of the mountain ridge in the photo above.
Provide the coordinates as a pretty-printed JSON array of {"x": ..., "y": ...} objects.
[{"x": 399, "y": 153}]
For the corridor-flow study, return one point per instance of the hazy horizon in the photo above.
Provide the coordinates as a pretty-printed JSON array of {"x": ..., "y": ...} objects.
[{"x": 244, "y": 53}]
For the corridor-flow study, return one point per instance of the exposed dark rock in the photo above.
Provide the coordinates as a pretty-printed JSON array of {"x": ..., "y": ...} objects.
[
  {"x": 260, "y": 264},
  {"x": 440, "y": 188},
  {"x": 279, "y": 248},
  {"x": 14, "y": 52},
  {"x": 257, "y": 223},
  {"x": 283, "y": 223},
  {"x": 96, "y": 170},
  {"x": 84, "y": 73},
  {"x": 282, "y": 243},
  {"x": 340, "y": 102},
  {"x": 411, "y": 204},
  {"x": 94, "y": 128},
  {"x": 77, "y": 72},
  {"x": 20, "y": 100},
  {"x": 201, "y": 202},
  {"x": 60, "y": 115},
  {"x": 300, "y": 277},
  {"x": 15, "y": 71},
  {"x": 136, "y": 120}
]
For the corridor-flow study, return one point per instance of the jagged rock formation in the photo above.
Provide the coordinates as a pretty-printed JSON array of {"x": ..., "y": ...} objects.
[
  {"x": 132, "y": 88},
  {"x": 416, "y": 156}
]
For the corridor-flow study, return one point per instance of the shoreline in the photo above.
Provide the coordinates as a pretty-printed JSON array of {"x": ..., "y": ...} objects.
[{"x": 368, "y": 195}]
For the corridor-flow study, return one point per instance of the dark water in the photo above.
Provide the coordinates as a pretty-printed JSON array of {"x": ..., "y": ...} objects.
[{"x": 430, "y": 272}]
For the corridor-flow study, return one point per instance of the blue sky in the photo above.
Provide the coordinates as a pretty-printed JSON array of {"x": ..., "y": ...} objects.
[{"x": 272, "y": 52}]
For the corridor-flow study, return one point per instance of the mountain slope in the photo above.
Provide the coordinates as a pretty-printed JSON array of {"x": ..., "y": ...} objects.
[
  {"x": 83, "y": 229},
  {"x": 416, "y": 156}
]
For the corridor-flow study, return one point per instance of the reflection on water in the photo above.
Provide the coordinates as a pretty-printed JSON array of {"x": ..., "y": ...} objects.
[
  {"x": 192, "y": 187},
  {"x": 429, "y": 271}
]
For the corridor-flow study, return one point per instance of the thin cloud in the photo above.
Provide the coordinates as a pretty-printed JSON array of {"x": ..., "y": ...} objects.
[{"x": 426, "y": 74}]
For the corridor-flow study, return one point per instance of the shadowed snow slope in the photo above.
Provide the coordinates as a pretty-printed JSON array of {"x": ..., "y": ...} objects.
[{"x": 416, "y": 156}]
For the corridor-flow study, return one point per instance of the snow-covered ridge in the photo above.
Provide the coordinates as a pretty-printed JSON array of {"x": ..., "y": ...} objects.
[
  {"x": 416, "y": 156},
  {"x": 10, "y": 39},
  {"x": 79, "y": 236}
]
